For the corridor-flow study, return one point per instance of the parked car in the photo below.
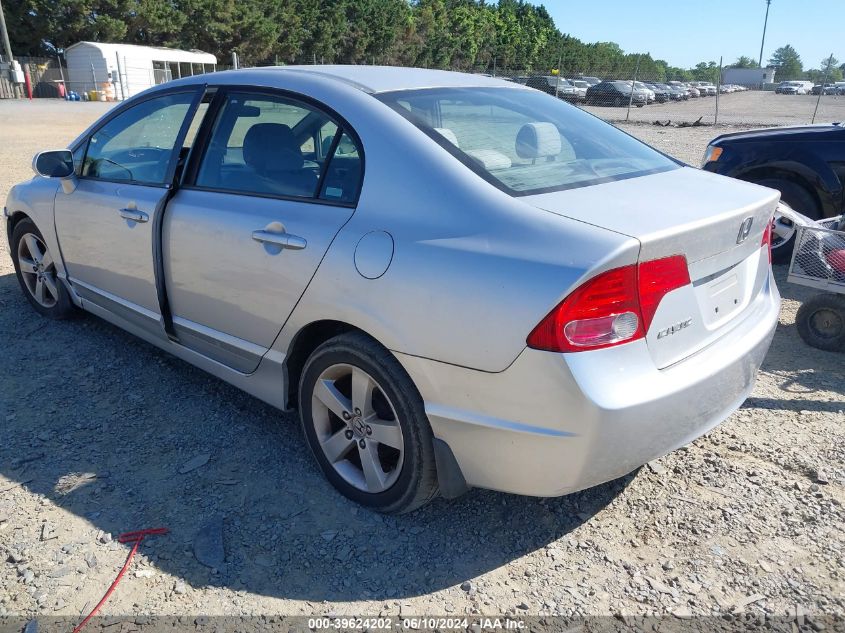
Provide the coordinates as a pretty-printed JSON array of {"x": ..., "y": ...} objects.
[
  {"x": 650, "y": 96},
  {"x": 591, "y": 80},
  {"x": 662, "y": 94},
  {"x": 794, "y": 88},
  {"x": 457, "y": 280},
  {"x": 554, "y": 85},
  {"x": 615, "y": 93},
  {"x": 580, "y": 88},
  {"x": 804, "y": 163},
  {"x": 691, "y": 90},
  {"x": 677, "y": 93},
  {"x": 828, "y": 89}
]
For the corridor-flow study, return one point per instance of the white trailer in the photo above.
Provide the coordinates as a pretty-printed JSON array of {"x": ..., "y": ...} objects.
[{"x": 129, "y": 68}]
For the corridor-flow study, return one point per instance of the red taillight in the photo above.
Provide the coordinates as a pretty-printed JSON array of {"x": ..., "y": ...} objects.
[
  {"x": 658, "y": 278},
  {"x": 614, "y": 307},
  {"x": 767, "y": 238}
]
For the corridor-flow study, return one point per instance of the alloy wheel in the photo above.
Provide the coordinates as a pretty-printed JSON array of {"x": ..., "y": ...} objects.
[
  {"x": 783, "y": 231},
  {"x": 38, "y": 270},
  {"x": 357, "y": 428}
]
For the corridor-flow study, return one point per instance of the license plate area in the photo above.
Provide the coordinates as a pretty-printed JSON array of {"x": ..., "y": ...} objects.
[{"x": 721, "y": 298}]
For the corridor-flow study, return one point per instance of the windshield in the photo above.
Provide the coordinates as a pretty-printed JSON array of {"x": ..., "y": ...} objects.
[{"x": 525, "y": 141}]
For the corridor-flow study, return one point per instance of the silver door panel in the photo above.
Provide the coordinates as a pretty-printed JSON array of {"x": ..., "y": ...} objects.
[
  {"x": 132, "y": 312},
  {"x": 232, "y": 351},
  {"x": 103, "y": 249},
  {"x": 237, "y": 288}
]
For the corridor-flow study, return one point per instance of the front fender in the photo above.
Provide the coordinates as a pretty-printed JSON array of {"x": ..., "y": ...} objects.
[{"x": 35, "y": 199}]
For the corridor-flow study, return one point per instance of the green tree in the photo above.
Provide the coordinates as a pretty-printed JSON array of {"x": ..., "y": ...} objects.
[
  {"x": 830, "y": 70},
  {"x": 743, "y": 62},
  {"x": 706, "y": 71},
  {"x": 788, "y": 62},
  {"x": 37, "y": 27}
]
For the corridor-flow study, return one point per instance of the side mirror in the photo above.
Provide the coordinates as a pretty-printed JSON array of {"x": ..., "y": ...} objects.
[{"x": 57, "y": 163}]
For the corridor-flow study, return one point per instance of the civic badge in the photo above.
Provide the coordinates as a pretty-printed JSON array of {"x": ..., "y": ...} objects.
[{"x": 744, "y": 230}]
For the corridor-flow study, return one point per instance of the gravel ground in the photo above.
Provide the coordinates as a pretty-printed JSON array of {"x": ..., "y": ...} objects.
[
  {"x": 103, "y": 434},
  {"x": 750, "y": 108}
]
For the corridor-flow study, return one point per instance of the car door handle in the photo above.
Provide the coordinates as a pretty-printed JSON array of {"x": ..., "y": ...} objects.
[
  {"x": 134, "y": 215},
  {"x": 285, "y": 240}
]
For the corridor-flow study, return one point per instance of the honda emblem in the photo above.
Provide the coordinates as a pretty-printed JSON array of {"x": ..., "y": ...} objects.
[{"x": 744, "y": 230}]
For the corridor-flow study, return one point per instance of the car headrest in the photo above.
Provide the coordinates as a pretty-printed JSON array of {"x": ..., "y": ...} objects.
[
  {"x": 538, "y": 140},
  {"x": 270, "y": 147},
  {"x": 448, "y": 134}
]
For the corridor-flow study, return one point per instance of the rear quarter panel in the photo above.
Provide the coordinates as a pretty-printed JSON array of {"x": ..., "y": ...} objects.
[{"x": 473, "y": 269}]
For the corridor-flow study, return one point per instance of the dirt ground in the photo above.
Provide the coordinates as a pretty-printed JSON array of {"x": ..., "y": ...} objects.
[
  {"x": 751, "y": 108},
  {"x": 98, "y": 429}
]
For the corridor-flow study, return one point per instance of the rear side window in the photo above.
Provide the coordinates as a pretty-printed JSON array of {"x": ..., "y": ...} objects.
[
  {"x": 344, "y": 172},
  {"x": 272, "y": 145},
  {"x": 526, "y": 142}
]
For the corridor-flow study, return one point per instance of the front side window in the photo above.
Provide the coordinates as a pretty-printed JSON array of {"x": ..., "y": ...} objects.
[
  {"x": 272, "y": 145},
  {"x": 138, "y": 145},
  {"x": 524, "y": 141}
]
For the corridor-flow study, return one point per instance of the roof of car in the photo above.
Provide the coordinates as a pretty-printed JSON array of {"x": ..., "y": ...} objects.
[{"x": 375, "y": 79}]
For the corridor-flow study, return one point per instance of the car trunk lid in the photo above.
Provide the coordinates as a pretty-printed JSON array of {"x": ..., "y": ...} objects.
[{"x": 717, "y": 223}]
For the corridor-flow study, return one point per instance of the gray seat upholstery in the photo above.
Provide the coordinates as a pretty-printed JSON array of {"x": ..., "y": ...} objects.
[{"x": 274, "y": 163}]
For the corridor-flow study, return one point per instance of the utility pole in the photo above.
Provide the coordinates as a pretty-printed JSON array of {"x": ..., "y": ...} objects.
[
  {"x": 765, "y": 24},
  {"x": 8, "y": 47},
  {"x": 3, "y": 28}
]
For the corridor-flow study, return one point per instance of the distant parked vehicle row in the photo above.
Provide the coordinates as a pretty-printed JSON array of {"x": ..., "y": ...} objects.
[
  {"x": 794, "y": 88},
  {"x": 829, "y": 89},
  {"x": 620, "y": 92}
]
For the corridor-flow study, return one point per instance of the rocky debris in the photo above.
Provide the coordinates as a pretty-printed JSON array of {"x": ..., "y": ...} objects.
[
  {"x": 208, "y": 543},
  {"x": 193, "y": 464}
]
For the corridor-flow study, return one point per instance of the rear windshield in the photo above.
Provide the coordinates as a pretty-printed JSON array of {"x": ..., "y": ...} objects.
[{"x": 524, "y": 141}]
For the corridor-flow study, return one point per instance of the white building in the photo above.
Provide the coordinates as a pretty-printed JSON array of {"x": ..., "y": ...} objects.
[
  {"x": 129, "y": 68},
  {"x": 749, "y": 77}
]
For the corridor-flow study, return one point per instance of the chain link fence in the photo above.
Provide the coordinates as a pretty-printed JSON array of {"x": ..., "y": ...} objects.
[
  {"x": 615, "y": 95},
  {"x": 654, "y": 99}
]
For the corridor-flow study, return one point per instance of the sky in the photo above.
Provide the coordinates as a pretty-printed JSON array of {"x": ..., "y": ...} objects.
[{"x": 685, "y": 32}]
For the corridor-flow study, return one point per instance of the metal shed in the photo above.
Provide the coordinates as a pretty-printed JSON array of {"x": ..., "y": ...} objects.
[{"x": 130, "y": 68}]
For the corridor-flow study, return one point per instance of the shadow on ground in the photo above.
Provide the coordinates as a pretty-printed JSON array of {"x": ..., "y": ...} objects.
[
  {"x": 810, "y": 370},
  {"x": 101, "y": 423}
]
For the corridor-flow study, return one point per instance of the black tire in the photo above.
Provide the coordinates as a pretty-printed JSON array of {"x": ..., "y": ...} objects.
[
  {"x": 416, "y": 484},
  {"x": 63, "y": 306},
  {"x": 821, "y": 322},
  {"x": 799, "y": 199},
  {"x": 617, "y": 101}
]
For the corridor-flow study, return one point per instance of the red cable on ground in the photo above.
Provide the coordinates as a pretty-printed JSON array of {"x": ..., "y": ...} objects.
[{"x": 128, "y": 537}]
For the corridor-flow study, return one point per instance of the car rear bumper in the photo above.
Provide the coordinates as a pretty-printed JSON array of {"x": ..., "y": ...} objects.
[{"x": 552, "y": 424}]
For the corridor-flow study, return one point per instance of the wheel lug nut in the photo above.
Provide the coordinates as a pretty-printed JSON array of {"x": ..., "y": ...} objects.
[
  {"x": 369, "y": 430},
  {"x": 362, "y": 443},
  {"x": 346, "y": 415},
  {"x": 348, "y": 434},
  {"x": 357, "y": 411}
]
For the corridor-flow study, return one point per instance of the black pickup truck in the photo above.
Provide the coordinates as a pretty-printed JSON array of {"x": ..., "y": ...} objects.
[{"x": 806, "y": 164}]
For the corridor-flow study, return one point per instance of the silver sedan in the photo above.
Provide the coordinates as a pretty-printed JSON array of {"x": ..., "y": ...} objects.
[{"x": 457, "y": 281}]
